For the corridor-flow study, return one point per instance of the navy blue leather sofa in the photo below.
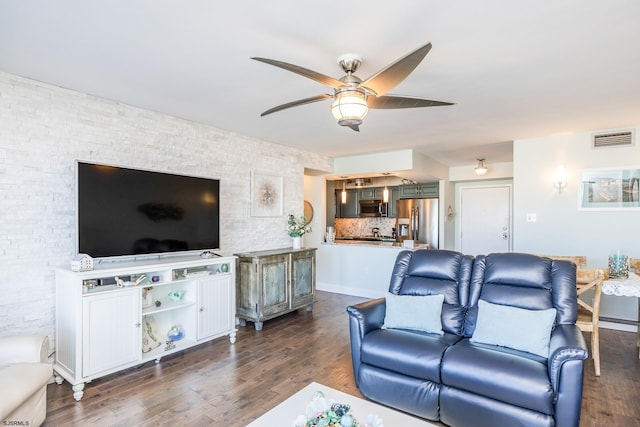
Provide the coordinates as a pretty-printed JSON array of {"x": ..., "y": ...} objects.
[{"x": 462, "y": 383}]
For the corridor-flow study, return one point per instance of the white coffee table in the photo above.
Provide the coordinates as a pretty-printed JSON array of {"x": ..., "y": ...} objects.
[{"x": 285, "y": 413}]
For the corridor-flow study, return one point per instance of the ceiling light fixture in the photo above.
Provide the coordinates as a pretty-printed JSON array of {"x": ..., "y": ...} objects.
[
  {"x": 481, "y": 168},
  {"x": 350, "y": 107}
]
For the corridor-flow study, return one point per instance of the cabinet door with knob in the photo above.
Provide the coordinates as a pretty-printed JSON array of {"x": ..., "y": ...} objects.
[
  {"x": 418, "y": 191},
  {"x": 348, "y": 209},
  {"x": 112, "y": 334},
  {"x": 303, "y": 277},
  {"x": 216, "y": 305}
]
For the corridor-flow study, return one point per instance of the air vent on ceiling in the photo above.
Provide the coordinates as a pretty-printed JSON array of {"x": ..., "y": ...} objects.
[{"x": 613, "y": 139}]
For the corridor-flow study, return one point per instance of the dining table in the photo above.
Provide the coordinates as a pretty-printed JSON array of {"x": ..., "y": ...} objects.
[{"x": 625, "y": 287}]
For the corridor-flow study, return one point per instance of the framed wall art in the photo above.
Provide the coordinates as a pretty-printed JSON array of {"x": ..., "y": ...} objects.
[
  {"x": 266, "y": 194},
  {"x": 610, "y": 189}
]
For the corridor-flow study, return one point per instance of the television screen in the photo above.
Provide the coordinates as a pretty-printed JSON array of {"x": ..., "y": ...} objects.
[{"x": 133, "y": 212}]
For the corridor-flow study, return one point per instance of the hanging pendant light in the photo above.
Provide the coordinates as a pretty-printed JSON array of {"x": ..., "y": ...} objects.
[
  {"x": 343, "y": 195},
  {"x": 385, "y": 192}
]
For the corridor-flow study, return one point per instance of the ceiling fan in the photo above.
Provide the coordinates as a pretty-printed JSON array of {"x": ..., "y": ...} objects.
[{"x": 352, "y": 96}]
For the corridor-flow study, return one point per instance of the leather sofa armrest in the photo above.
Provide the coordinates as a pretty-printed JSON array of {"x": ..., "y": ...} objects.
[
  {"x": 363, "y": 318},
  {"x": 24, "y": 349},
  {"x": 567, "y": 344},
  {"x": 369, "y": 315}
]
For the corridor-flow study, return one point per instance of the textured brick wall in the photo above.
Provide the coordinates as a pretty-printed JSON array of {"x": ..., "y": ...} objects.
[{"x": 45, "y": 129}]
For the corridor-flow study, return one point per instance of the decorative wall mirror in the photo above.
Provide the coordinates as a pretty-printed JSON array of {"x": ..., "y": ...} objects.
[{"x": 308, "y": 211}]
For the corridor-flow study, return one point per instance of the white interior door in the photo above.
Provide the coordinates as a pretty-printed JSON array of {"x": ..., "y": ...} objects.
[{"x": 485, "y": 220}]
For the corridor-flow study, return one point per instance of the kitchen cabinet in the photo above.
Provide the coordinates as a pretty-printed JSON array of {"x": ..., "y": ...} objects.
[
  {"x": 373, "y": 193},
  {"x": 102, "y": 328},
  {"x": 394, "y": 194},
  {"x": 330, "y": 208},
  {"x": 349, "y": 209},
  {"x": 419, "y": 191},
  {"x": 274, "y": 282}
]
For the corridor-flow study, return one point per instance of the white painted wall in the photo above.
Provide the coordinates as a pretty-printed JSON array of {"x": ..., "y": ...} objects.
[
  {"x": 359, "y": 270},
  {"x": 45, "y": 129},
  {"x": 562, "y": 229}
]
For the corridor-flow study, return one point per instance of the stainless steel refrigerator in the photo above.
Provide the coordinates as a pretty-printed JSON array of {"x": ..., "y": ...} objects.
[{"x": 417, "y": 220}]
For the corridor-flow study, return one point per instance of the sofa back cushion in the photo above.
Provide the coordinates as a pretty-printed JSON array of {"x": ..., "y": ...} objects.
[
  {"x": 524, "y": 281},
  {"x": 436, "y": 272}
]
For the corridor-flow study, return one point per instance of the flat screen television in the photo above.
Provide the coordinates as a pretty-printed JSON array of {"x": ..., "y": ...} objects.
[{"x": 128, "y": 212}]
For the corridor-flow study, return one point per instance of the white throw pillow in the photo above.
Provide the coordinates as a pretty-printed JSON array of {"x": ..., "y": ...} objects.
[
  {"x": 417, "y": 312},
  {"x": 516, "y": 328}
]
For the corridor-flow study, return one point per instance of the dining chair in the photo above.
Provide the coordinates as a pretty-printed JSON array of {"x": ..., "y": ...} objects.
[
  {"x": 590, "y": 279},
  {"x": 634, "y": 265},
  {"x": 587, "y": 281},
  {"x": 578, "y": 260}
]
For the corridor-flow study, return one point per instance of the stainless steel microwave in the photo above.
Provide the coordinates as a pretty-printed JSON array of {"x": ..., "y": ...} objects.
[{"x": 369, "y": 208}]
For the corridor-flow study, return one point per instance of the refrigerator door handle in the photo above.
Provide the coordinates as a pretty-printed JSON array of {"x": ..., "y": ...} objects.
[
  {"x": 412, "y": 223},
  {"x": 416, "y": 230}
]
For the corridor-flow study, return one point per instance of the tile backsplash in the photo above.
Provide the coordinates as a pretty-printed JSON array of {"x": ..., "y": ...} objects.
[{"x": 355, "y": 227}]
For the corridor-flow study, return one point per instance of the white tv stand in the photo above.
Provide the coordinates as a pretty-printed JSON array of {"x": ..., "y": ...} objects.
[{"x": 99, "y": 327}]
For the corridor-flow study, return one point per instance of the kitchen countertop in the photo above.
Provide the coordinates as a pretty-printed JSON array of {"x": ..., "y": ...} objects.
[
  {"x": 373, "y": 242},
  {"x": 368, "y": 238}
]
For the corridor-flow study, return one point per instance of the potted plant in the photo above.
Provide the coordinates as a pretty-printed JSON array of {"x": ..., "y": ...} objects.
[{"x": 297, "y": 227}]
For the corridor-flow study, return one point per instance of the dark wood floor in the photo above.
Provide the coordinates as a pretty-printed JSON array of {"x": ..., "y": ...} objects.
[{"x": 219, "y": 383}]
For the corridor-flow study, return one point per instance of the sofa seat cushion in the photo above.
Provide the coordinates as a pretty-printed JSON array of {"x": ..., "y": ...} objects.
[
  {"x": 18, "y": 382},
  {"x": 510, "y": 376},
  {"x": 413, "y": 353}
]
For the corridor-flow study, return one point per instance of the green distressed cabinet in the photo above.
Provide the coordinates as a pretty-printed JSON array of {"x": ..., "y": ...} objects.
[{"x": 274, "y": 282}]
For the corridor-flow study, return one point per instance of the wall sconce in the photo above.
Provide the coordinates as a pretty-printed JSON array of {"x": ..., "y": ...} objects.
[
  {"x": 560, "y": 179},
  {"x": 450, "y": 213},
  {"x": 481, "y": 168}
]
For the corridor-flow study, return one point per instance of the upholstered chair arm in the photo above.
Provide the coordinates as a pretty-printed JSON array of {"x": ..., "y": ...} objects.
[
  {"x": 567, "y": 352},
  {"x": 567, "y": 343},
  {"x": 363, "y": 318},
  {"x": 24, "y": 349},
  {"x": 369, "y": 315}
]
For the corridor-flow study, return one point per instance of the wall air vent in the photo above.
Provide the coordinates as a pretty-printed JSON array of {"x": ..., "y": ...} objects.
[{"x": 613, "y": 139}]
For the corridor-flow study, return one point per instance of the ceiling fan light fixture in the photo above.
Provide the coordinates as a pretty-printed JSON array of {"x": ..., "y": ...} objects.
[{"x": 349, "y": 107}]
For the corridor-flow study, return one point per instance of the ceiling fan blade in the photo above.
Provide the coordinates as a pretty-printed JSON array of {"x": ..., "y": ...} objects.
[
  {"x": 391, "y": 102},
  {"x": 296, "y": 103},
  {"x": 313, "y": 75},
  {"x": 388, "y": 78}
]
